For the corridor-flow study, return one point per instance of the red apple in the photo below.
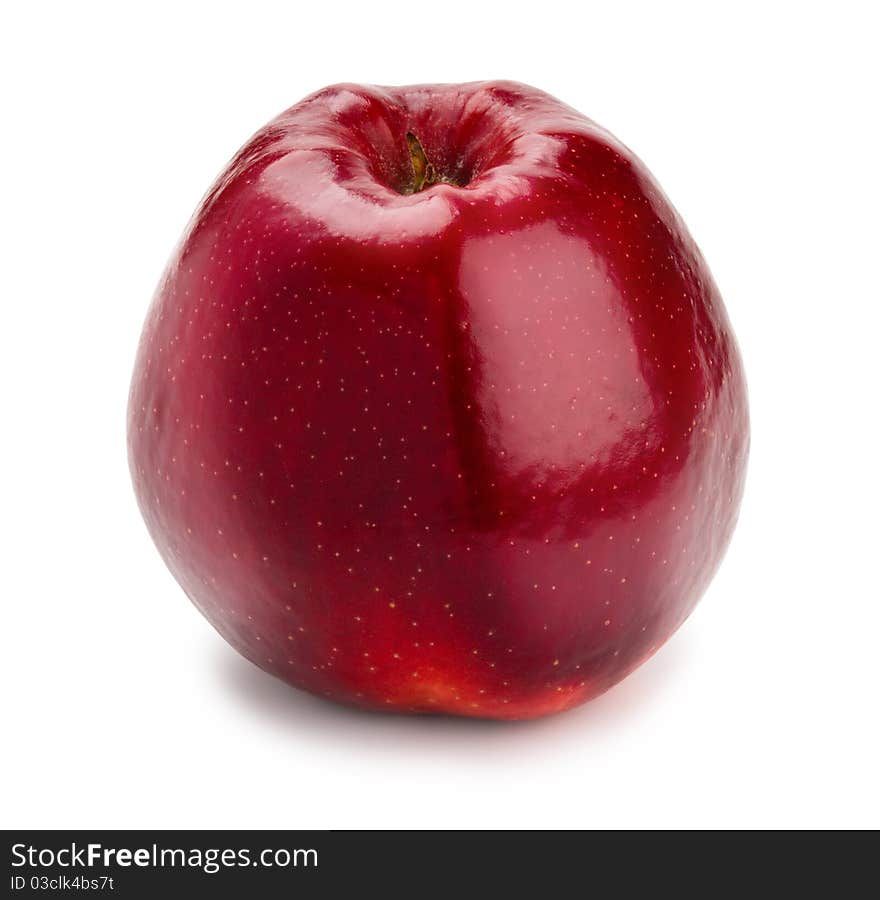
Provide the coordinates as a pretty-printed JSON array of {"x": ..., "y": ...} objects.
[{"x": 437, "y": 407}]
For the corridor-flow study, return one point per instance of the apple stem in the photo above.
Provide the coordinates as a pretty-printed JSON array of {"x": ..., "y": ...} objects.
[{"x": 424, "y": 173}]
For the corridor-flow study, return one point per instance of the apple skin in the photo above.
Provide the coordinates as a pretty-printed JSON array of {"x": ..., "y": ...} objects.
[{"x": 474, "y": 450}]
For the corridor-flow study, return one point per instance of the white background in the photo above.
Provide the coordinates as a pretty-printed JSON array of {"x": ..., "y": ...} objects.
[{"x": 122, "y": 707}]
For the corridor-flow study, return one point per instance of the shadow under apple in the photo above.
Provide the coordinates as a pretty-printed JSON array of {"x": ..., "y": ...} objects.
[{"x": 299, "y": 713}]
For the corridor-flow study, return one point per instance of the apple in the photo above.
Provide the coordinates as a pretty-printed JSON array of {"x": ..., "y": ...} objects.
[{"x": 437, "y": 407}]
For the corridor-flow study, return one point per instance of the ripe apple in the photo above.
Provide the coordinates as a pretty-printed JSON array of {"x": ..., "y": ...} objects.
[{"x": 437, "y": 407}]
